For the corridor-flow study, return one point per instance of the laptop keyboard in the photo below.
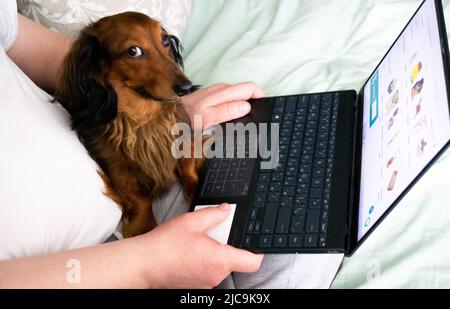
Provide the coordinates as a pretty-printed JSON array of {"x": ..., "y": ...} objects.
[{"x": 291, "y": 205}]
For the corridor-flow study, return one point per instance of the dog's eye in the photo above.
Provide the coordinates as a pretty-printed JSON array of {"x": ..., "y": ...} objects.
[
  {"x": 134, "y": 52},
  {"x": 166, "y": 40}
]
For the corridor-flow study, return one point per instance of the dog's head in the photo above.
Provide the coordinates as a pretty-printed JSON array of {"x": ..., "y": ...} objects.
[{"x": 128, "y": 49}]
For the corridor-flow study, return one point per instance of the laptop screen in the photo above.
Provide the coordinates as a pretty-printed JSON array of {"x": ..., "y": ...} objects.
[{"x": 406, "y": 117}]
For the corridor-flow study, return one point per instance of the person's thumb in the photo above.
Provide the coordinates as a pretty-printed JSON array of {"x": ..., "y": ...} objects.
[{"x": 205, "y": 219}]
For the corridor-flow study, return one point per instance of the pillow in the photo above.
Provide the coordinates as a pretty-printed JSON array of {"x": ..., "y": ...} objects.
[
  {"x": 50, "y": 193},
  {"x": 69, "y": 17}
]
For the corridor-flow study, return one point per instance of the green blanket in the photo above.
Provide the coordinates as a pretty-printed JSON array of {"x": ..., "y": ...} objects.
[{"x": 299, "y": 46}]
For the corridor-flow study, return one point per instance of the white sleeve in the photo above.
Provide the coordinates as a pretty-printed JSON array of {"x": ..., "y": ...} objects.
[{"x": 8, "y": 23}]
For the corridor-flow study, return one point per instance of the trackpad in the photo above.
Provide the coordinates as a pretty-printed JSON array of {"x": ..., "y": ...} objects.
[{"x": 221, "y": 233}]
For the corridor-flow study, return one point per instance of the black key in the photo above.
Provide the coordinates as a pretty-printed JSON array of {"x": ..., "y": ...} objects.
[
  {"x": 225, "y": 165},
  {"x": 274, "y": 197},
  {"x": 287, "y": 202},
  {"x": 317, "y": 183},
  {"x": 278, "y": 110},
  {"x": 312, "y": 221},
  {"x": 307, "y": 159},
  {"x": 208, "y": 189},
  {"x": 324, "y": 128},
  {"x": 265, "y": 241},
  {"x": 260, "y": 200},
  {"x": 322, "y": 145},
  {"x": 324, "y": 227},
  {"x": 240, "y": 187},
  {"x": 299, "y": 127},
  {"x": 257, "y": 227},
  {"x": 323, "y": 241},
  {"x": 232, "y": 188},
  {"x": 326, "y": 204},
  {"x": 289, "y": 181},
  {"x": 291, "y": 172},
  {"x": 319, "y": 163},
  {"x": 234, "y": 164},
  {"x": 270, "y": 217},
  {"x": 262, "y": 187},
  {"x": 248, "y": 241},
  {"x": 284, "y": 133},
  {"x": 284, "y": 218},
  {"x": 289, "y": 117},
  {"x": 312, "y": 124},
  {"x": 244, "y": 174},
  {"x": 325, "y": 216},
  {"x": 288, "y": 192},
  {"x": 301, "y": 200},
  {"x": 319, "y": 172},
  {"x": 323, "y": 136},
  {"x": 291, "y": 105},
  {"x": 297, "y": 136},
  {"x": 321, "y": 154},
  {"x": 246, "y": 163},
  {"x": 303, "y": 177},
  {"x": 294, "y": 153},
  {"x": 295, "y": 241},
  {"x": 311, "y": 241},
  {"x": 264, "y": 177},
  {"x": 298, "y": 209},
  {"x": 215, "y": 165},
  {"x": 231, "y": 176},
  {"x": 315, "y": 204},
  {"x": 218, "y": 188},
  {"x": 280, "y": 102},
  {"x": 280, "y": 241},
  {"x": 303, "y": 101},
  {"x": 308, "y": 150},
  {"x": 316, "y": 193},
  {"x": 277, "y": 177},
  {"x": 254, "y": 214},
  {"x": 298, "y": 223},
  {"x": 302, "y": 189},
  {"x": 250, "y": 227},
  {"x": 275, "y": 187},
  {"x": 309, "y": 142},
  {"x": 294, "y": 162},
  {"x": 212, "y": 176}
]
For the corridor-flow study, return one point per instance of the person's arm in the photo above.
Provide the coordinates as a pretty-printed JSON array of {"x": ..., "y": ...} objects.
[
  {"x": 39, "y": 52},
  {"x": 177, "y": 254}
]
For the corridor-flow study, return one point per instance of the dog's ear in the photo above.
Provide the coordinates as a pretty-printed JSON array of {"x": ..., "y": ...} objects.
[
  {"x": 176, "y": 49},
  {"x": 82, "y": 89}
]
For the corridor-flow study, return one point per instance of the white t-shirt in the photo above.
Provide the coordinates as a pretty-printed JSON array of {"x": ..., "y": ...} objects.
[
  {"x": 50, "y": 192},
  {"x": 8, "y": 23}
]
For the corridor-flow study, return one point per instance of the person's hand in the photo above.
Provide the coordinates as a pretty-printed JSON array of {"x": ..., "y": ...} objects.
[
  {"x": 221, "y": 103},
  {"x": 183, "y": 256}
]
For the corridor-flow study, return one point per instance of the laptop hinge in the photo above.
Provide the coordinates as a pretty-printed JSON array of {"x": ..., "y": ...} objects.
[{"x": 351, "y": 231}]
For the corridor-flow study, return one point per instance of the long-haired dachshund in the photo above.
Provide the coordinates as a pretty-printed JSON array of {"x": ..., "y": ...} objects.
[{"x": 121, "y": 83}]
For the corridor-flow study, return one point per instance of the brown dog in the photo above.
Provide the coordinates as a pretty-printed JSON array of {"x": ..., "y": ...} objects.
[{"x": 121, "y": 84}]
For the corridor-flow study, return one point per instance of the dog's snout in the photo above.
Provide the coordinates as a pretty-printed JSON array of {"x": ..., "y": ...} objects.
[{"x": 183, "y": 88}]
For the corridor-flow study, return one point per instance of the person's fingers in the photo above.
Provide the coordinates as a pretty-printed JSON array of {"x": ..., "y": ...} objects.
[
  {"x": 205, "y": 219},
  {"x": 238, "y": 92},
  {"x": 226, "y": 112},
  {"x": 242, "y": 261}
]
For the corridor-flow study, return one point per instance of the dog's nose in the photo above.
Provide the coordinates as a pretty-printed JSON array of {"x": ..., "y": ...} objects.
[{"x": 183, "y": 88}]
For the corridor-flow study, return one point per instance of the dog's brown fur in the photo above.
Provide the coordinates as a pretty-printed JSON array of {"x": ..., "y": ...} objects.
[{"x": 123, "y": 109}]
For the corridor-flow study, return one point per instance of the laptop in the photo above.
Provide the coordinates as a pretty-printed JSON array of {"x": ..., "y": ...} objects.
[{"x": 345, "y": 159}]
